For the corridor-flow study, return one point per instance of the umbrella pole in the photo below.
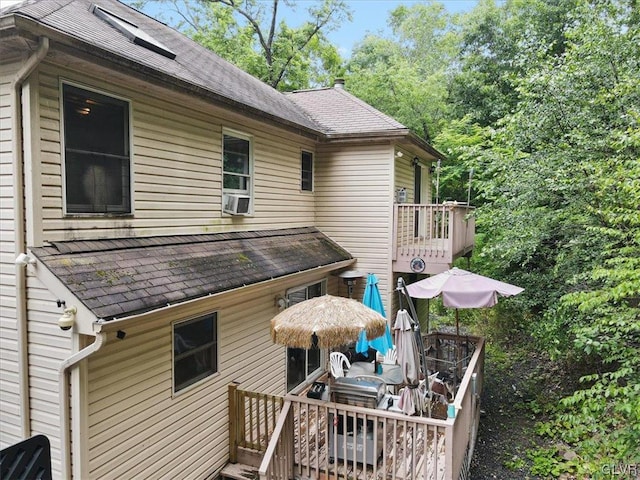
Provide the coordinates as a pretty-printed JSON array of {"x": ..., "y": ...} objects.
[
  {"x": 457, "y": 324},
  {"x": 458, "y": 360},
  {"x": 428, "y": 312}
]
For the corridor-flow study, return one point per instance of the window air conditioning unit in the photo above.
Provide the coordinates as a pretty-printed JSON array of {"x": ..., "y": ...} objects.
[{"x": 236, "y": 204}]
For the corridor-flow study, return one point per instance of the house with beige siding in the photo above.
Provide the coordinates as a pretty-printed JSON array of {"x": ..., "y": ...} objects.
[{"x": 156, "y": 204}]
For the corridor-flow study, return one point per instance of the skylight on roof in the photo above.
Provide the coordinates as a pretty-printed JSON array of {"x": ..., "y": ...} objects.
[{"x": 133, "y": 32}]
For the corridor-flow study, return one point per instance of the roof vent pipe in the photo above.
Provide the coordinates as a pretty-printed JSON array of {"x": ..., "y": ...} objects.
[{"x": 338, "y": 83}]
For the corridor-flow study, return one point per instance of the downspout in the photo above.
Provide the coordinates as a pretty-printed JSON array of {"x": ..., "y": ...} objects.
[
  {"x": 65, "y": 413},
  {"x": 19, "y": 232}
]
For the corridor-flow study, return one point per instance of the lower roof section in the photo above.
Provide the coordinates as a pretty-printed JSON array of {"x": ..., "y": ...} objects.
[{"x": 127, "y": 276}]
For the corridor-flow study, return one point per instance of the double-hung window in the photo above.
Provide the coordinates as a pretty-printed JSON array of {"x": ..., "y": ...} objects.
[
  {"x": 195, "y": 350},
  {"x": 97, "y": 160},
  {"x": 237, "y": 166},
  {"x": 306, "y": 167},
  {"x": 302, "y": 363}
]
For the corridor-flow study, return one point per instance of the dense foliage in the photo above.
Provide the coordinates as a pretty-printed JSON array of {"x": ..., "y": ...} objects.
[
  {"x": 559, "y": 177},
  {"x": 541, "y": 98}
]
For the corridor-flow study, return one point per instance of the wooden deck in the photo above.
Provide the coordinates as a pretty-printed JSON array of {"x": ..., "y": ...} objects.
[
  {"x": 301, "y": 438},
  {"x": 310, "y": 440}
]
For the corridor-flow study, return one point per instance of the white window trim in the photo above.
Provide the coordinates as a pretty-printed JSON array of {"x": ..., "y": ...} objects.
[
  {"x": 61, "y": 83},
  {"x": 244, "y": 136},
  {"x": 304, "y": 286},
  {"x": 323, "y": 354}
]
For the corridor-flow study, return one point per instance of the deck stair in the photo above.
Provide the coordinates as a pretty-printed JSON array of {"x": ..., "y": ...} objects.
[
  {"x": 239, "y": 471},
  {"x": 245, "y": 467}
]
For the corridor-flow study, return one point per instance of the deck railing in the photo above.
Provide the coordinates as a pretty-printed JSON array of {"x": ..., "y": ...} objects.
[
  {"x": 253, "y": 417},
  {"x": 316, "y": 439},
  {"x": 437, "y": 233},
  {"x": 467, "y": 405}
]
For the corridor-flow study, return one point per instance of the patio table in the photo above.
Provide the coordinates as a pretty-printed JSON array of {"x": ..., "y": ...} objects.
[{"x": 391, "y": 374}]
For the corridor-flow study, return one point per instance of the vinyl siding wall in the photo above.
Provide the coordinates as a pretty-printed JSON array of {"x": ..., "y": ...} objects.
[
  {"x": 177, "y": 167},
  {"x": 354, "y": 197},
  {"x": 49, "y": 346},
  {"x": 404, "y": 178},
  {"x": 135, "y": 426},
  {"x": 10, "y": 426},
  {"x": 139, "y": 429}
]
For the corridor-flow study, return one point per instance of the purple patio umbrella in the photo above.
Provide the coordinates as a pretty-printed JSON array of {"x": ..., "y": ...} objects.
[{"x": 462, "y": 289}]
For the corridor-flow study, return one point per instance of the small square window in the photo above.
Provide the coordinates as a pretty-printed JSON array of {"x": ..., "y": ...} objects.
[
  {"x": 96, "y": 152},
  {"x": 195, "y": 351},
  {"x": 307, "y": 172}
]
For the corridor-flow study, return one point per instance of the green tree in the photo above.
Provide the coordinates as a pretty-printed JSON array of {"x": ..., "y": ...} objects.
[
  {"x": 560, "y": 175},
  {"x": 407, "y": 76},
  {"x": 252, "y": 35},
  {"x": 457, "y": 138},
  {"x": 499, "y": 44}
]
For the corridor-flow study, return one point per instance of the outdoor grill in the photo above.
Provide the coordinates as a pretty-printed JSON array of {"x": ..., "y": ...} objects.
[
  {"x": 353, "y": 438},
  {"x": 357, "y": 391}
]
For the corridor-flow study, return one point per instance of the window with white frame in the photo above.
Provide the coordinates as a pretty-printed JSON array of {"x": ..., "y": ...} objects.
[
  {"x": 195, "y": 350},
  {"x": 237, "y": 151},
  {"x": 301, "y": 363},
  {"x": 306, "y": 167},
  {"x": 97, "y": 160}
]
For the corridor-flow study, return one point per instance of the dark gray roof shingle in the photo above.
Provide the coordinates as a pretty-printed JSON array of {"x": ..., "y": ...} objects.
[
  {"x": 339, "y": 112},
  {"x": 122, "y": 277},
  {"x": 193, "y": 64}
]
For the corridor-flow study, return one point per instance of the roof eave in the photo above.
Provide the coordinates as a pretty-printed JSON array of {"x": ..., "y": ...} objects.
[
  {"x": 112, "y": 325},
  {"x": 424, "y": 145},
  {"x": 403, "y": 136}
]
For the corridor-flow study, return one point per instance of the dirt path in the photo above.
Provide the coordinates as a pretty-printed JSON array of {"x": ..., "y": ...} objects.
[{"x": 506, "y": 426}]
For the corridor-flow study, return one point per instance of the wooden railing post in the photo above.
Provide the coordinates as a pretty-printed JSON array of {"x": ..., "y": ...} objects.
[{"x": 233, "y": 422}]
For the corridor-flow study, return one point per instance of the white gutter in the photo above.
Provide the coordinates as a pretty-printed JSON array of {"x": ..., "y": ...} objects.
[
  {"x": 105, "y": 326},
  {"x": 19, "y": 233},
  {"x": 65, "y": 420}
]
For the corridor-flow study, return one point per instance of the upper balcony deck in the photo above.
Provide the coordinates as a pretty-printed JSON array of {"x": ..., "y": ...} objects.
[{"x": 427, "y": 238}]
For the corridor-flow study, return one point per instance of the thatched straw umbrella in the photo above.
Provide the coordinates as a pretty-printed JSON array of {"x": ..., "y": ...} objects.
[{"x": 334, "y": 321}]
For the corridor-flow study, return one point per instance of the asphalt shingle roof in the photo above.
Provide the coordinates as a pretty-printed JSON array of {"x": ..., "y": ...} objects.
[
  {"x": 327, "y": 111},
  {"x": 193, "y": 63},
  {"x": 341, "y": 113},
  {"x": 121, "y": 277}
]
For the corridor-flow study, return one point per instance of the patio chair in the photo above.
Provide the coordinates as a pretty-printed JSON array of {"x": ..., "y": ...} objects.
[
  {"x": 339, "y": 364},
  {"x": 391, "y": 356}
]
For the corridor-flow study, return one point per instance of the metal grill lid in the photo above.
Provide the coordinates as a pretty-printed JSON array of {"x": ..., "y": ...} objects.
[{"x": 357, "y": 386}]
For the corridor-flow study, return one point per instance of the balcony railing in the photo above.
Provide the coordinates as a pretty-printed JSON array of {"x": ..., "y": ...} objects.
[{"x": 434, "y": 234}]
